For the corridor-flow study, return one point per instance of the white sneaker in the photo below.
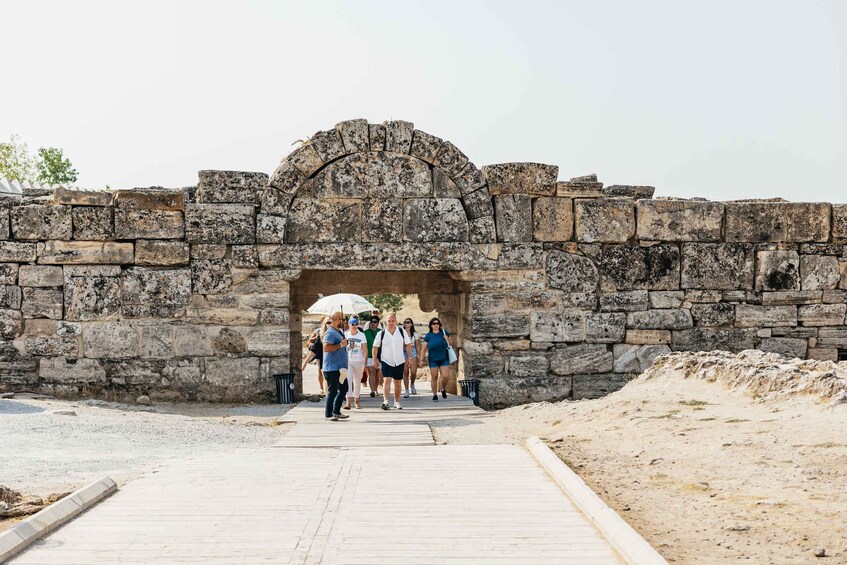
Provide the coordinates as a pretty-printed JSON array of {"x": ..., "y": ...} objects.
[
  {"x": 414, "y": 390},
  {"x": 406, "y": 393},
  {"x": 397, "y": 406}
]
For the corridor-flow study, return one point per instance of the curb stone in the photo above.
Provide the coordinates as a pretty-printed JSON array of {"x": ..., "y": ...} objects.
[
  {"x": 630, "y": 545},
  {"x": 26, "y": 532}
]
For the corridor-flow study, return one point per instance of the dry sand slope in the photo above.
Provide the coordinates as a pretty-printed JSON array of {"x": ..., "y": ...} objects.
[{"x": 712, "y": 457}]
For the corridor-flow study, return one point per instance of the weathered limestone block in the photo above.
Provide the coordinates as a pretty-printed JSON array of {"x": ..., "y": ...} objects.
[
  {"x": 201, "y": 251},
  {"x": 604, "y": 328},
  {"x": 8, "y": 273},
  {"x": 571, "y": 273},
  {"x": 68, "y": 328},
  {"x": 584, "y": 358},
  {"x": 478, "y": 204},
  {"x": 375, "y": 175},
  {"x": 223, "y": 316},
  {"x": 251, "y": 281},
  {"x": 842, "y": 266},
  {"x": 703, "y": 296},
  {"x": 276, "y": 202},
  {"x": 719, "y": 314},
  {"x": 268, "y": 342},
  {"x": 316, "y": 220},
  {"x": 818, "y": 272},
  {"x": 630, "y": 190},
  {"x": 607, "y": 220},
  {"x": 233, "y": 224},
  {"x": 679, "y": 220},
  {"x": 450, "y": 159},
  {"x": 500, "y": 392},
  {"x": 513, "y": 345},
  {"x": 93, "y": 223},
  {"x": 211, "y": 276},
  {"x": 777, "y": 270},
  {"x": 156, "y": 341},
  {"x": 328, "y": 145},
  {"x": 633, "y": 267},
  {"x": 10, "y": 297},
  {"x": 270, "y": 229},
  {"x": 42, "y": 303},
  {"x": 41, "y": 222},
  {"x": 154, "y": 252},
  {"x": 709, "y": 339},
  {"x": 482, "y": 230},
  {"x": 796, "y": 332},
  {"x": 17, "y": 252},
  {"x": 305, "y": 159},
  {"x": 40, "y": 275},
  {"x": 265, "y": 300},
  {"x": 777, "y": 221},
  {"x": 383, "y": 220},
  {"x": 557, "y": 326},
  {"x": 839, "y": 221},
  {"x": 624, "y": 301},
  {"x": 514, "y": 217},
  {"x": 469, "y": 179},
  {"x": 552, "y": 218},
  {"x": 425, "y": 146},
  {"x": 434, "y": 219},
  {"x": 636, "y": 358},
  {"x": 40, "y": 327},
  {"x": 148, "y": 224},
  {"x": 528, "y": 366},
  {"x": 83, "y": 371},
  {"x": 671, "y": 319},
  {"x": 150, "y": 199},
  {"x": 50, "y": 346},
  {"x": 92, "y": 293},
  {"x": 233, "y": 371},
  {"x": 376, "y": 135},
  {"x": 783, "y": 297},
  {"x": 596, "y": 386},
  {"x": 155, "y": 293},
  {"x": 84, "y": 253},
  {"x": 398, "y": 136},
  {"x": 832, "y": 337},
  {"x": 5, "y": 228},
  {"x": 822, "y": 249},
  {"x": 245, "y": 257},
  {"x": 535, "y": 179},
  {"x": 192, "y": 341},
  {"x": 822, "y": 314},
  {"x": 822, "y": 354},
  {"x": 666, "y": 298},
  {"x": 354, "y": 135},
  {"x": 753, "y": 316},
  {"x": 787, "y": 347},
  {"x": 443, "y": 186},
  {"x": 286, "y": 178},
  {"x": 834, "y": 297},
  {"x": 717, "y": 266},
  {"x": 11, "y": 323},
  {"x": 500, "y": 326},
  {"x": 77, "y": 197},
  {"x": 230, "y": 186},
  {"x": 109, "y": 340},
  {"x": 648, "y": 337},
  {"x": 229, "y": 340}
]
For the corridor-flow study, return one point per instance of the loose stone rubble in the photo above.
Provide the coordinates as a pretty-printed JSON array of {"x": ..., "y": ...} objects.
[{"x": 565, "y": 288}]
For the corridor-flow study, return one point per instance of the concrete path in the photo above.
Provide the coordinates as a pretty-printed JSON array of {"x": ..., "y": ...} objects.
[{"x": 373, "y": 489}]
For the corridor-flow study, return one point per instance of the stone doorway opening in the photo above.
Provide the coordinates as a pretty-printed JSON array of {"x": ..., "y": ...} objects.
[{"x": 438, "y": 291}]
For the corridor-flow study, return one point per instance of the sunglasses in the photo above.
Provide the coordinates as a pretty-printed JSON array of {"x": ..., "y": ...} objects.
[{"x": 436, "y": 323}]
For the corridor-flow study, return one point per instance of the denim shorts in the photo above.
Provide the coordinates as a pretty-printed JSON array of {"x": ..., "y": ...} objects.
[{"x": 438, "y": 364}]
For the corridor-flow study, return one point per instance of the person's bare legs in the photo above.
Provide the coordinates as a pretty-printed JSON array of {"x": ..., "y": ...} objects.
[
  {"x": 396, "y": 390},
  {"x": 444, "y": 374},
  {"x": 433, "y": 381},
  {"x": 406, "y": 376},
  {"x": 412, "y": 365},
  {"x": 386, "y": 387},
  {"x": 321, "y": 381}
]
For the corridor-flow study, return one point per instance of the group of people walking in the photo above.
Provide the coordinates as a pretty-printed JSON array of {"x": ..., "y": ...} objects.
[{"x": 385, "y": 354}]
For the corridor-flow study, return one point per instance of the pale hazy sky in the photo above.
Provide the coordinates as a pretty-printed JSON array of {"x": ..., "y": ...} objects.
[{"x": 721, "y": 99}]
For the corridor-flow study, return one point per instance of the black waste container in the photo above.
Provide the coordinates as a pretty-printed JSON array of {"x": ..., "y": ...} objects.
[
  {"x": 473, "y": 390},
  {"x": 284, "y": 388},
  {"x": 464, "y": 385}
]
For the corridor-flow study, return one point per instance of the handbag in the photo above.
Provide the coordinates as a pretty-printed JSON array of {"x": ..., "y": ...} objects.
[
  {"x": 451, "y": 353},
  {"x": 365, "y": 375}
]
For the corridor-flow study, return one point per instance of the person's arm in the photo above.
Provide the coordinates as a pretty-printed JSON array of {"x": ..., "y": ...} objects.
[
  {"x": 309, "y": 357},
  {"x": 424, "y": 345},
  {"x": 417, "y": 346},
  {"x": 332, "y": 347},
  {"x": 364, "y": 346},
  {"x": 377, "y": 345}
]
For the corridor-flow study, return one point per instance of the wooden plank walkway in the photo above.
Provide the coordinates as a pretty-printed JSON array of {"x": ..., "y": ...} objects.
[{"x": 356, "y": 501}]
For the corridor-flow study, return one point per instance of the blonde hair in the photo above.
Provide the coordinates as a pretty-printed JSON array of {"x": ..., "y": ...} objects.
[{"x": 322, "y": 328}]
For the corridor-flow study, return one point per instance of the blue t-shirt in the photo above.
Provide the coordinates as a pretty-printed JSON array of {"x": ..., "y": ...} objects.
[
  {"x": 338, "y": 358},
  {"x": 437, "y": 346}
]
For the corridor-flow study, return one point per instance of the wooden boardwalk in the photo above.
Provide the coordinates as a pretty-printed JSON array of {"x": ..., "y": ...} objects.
[{"x": 370, "y": 490}]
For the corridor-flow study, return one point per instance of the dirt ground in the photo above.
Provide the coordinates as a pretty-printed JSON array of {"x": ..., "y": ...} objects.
[{"x": 707, "y": 474}]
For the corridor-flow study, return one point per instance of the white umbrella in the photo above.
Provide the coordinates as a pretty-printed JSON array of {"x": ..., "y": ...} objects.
[{"x": 348, "y": 303}]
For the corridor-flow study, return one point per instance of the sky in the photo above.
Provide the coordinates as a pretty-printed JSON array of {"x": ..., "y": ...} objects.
[{"x": 716, "y": 99}]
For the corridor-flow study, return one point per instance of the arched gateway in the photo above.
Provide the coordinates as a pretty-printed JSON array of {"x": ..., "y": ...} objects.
[{"x": 554, "y": 289}]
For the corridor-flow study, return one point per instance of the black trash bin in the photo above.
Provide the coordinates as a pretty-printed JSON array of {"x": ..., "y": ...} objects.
[
  {"x": 284, "y": 388},
  {"x": 464, "y": 385},
  {"x": 473, "y": 390}
]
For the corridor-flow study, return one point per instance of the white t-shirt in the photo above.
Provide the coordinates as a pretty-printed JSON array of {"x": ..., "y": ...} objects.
[
  {"x": 392, "y": 352},
  {"x": 355, "y": 343}
]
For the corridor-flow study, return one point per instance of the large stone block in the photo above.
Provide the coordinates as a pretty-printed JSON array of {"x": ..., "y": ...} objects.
[
  {"x": 50, "y": 346},
  {"x": 633, "y": 267},
  {"x": 514, "y": 217},
  {"x": 528, "y": 365},
  {"x": 156, "y": 340},
  {"x": 17, "y": 252},
  {"x": 92, "y": 293},
  {"x": 604, "y": 328},
  {"x": 83, "y": 371},
  {"x": 150, "y": 199},
  {"x": 450, "y": 159},
  {"x": 648, "y": 337},
  {"x": 726, "y": 266},
  {"x": 319, "y": 221},
  {"x": 4, "y": 222},
  {"x": 223, "y": 316},
  {"x": 374, "y": 175},
  {"x": 211, "y": 276},
  {"x": 155, "y": 293},
  {"x": 670, "y": 319},
  {"x": 8, "y": 273},
  {"x": 624, "y": 301},
  {"x": 500, "y": 326},
  {"x": 328, "y": 145},
  {"x": 606, "y": 220},
  {"x": 500, "y": 392},
  {"x": 230, "y": 186},
  {"x": 305, "y": 159},
  {"x": 93, "y": 223},
  {"x": 719, "y": 314},
  {"x": 785, "y": 346},
  {"x": 270, "y": 228},
  {"x": 819, "y": 272},
  {"x": 148, "y": 224},
  {"x": 161, "y": 253},
  {"x": 276, "y": 202},
  {"x": 584, "y": 358},
  {"x": 10, "y": 296},
  {"x": 233, "y": 224},
  {"x": 443, "y": 186},
  {"x": 754, "y": 316},
  {"x": 40, "y": 275},
  {"x": 268, "y": 342},
  {"x": 109, "y": 340},
  {"x": 376, "y": 136},
  {"x": 41, "y": 222},
  {"x": 552, "y": 219},
  {"x": 535, "y": 179},
  {"x": 777, "y": 270},
  {"x": 469, "y": 179},
  {"x": 77, "y": 197},
  {"x": 482, "y": 230},
  {"x": 679, "y": 220},
  {"x": 84, "y": 253},
  {"x": 557, "y": 326},
  {"x": 434, "y": 219},
  {"x": 354, "y": 135},
  {"x": 398, "y": 136},
  {"x": 636, "y": 358},
  {"x": 286, "y": 178},
  {"x": 710, "y": 339},
  {"x": 597, "y": 386},
  {"x": 478, "y": 204},
  {"x": 777, "y": 221},
  {"x": 782, "y": 297},
  {"x": 382, "y": 220},
  {"x": 42, "y": 303},
  {"x": 233, "y": 372},
  {"x": 192, "y": 341},
  {"x": 839, "y": 221},
  {"x": 822, "y": 314},
  {"x": 11, "y": 323}
]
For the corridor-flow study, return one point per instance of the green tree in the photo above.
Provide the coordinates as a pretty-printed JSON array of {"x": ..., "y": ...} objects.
[
  {"x": 15, "y": 162},
  {"x": 386, "y": 302},
  {"x": 54, "y": 168}
]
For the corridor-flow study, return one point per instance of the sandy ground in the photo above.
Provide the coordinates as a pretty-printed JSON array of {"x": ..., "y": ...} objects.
[{"x": 705, "y": 473}]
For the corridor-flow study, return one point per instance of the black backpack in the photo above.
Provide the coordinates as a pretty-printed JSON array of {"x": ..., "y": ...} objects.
[{"x": 382, "y": 336}]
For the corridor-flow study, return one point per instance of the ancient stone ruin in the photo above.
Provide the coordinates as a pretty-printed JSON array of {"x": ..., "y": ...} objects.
[{"x": 554, "y": 289}]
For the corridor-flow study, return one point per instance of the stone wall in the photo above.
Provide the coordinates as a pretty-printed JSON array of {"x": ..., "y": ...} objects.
[{"x": 557, "y": 289}]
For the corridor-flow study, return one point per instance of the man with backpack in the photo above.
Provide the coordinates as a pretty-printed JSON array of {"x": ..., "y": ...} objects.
[{"x": 388, "y": 350}]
